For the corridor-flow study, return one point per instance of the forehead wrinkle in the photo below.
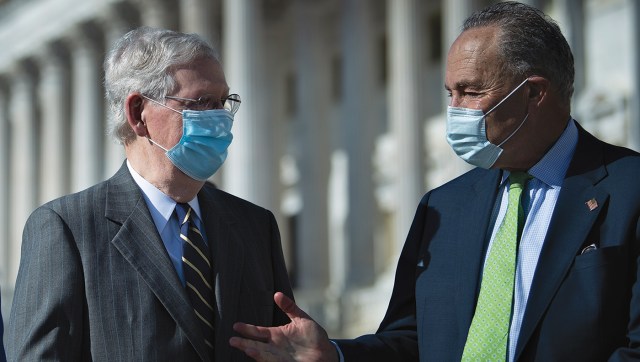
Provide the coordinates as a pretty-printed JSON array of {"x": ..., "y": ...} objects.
[
  {"x": 465, "y": 59},
  {"x": 480, "y": 77}
]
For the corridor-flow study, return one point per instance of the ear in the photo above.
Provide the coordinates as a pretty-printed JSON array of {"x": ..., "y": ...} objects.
[
  {"x": 539, "y": 88},
  {"x": 133, "y": 107}
]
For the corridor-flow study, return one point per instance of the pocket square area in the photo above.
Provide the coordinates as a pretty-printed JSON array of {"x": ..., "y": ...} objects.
[{"x": 589, "y": 248}]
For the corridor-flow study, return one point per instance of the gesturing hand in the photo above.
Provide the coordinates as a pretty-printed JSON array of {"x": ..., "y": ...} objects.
[{"x": 301, "y": 340}]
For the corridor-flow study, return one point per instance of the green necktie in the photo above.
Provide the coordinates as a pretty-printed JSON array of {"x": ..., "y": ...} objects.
[{"x": 489, "y": 331}]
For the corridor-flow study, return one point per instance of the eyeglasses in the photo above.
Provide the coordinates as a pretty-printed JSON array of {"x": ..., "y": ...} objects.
[{"x": 207, "y": 102}]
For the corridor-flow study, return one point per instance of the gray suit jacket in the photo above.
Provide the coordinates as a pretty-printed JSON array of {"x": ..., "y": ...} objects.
[{"x": 96, "y": 283}]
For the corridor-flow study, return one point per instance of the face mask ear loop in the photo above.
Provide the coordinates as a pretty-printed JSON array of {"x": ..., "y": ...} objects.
[
  {"x": 160, "y": 104},
  {"x": 155, "y": 143},
  {"x": 165, "y": 106},
  {"x": 514, "y": 132},
  {"x": 507, "y": 97}
]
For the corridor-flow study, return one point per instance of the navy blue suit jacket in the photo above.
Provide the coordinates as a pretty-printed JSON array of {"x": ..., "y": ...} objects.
[{"x": 581, "y": 307}]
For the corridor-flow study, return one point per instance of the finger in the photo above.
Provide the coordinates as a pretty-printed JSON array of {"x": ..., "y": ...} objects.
[
  {"x": 256, "y": 350},
  {"x": 288, "y": 306},
  {"x": 243, "y": 344},
  {"x": 252, "y": 332}
]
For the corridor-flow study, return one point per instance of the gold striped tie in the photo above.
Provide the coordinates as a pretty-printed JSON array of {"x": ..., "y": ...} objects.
[{"x": 196, "y": 267}]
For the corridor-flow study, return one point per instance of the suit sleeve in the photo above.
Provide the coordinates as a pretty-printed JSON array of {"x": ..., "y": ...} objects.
[
  {"x": 47, "y": 314},
  {"x": 280, "y": 274},
  {"x": 396, "y": 338}
]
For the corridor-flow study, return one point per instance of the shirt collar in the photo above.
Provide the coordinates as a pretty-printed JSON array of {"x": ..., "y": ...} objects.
[
  {"x": 553, "y": 166},
  {"x": 163, "y": 204}
]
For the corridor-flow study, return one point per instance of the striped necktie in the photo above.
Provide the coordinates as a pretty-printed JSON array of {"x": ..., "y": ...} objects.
[
  {"x": 196, "y": 267},
  {"x": 489, "y": 331}
]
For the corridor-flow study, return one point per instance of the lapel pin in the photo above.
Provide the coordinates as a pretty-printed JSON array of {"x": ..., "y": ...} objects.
[{"x": 592, "y": 204}]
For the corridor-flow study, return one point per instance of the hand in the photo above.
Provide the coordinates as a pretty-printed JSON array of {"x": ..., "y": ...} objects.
[{"x": 301, "y": 340}]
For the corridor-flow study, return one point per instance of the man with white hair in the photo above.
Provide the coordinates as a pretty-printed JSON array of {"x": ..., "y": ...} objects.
[{"x": 154, "y": 263}]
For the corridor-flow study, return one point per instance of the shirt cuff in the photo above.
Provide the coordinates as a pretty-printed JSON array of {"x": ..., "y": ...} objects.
[{"x": 340, "y": 355}]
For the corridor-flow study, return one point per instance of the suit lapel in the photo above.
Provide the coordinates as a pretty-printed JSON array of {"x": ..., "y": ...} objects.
[
  {"x": 226, "y": 250},
  {"x": 571, "y": 222},
  {"x": 140, "y": 244}
]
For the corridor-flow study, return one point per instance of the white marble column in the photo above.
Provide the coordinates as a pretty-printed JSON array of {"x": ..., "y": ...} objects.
[
  {"x": 87, "y": 108},
  {"x": 159, "y": 14},
  {"x": 199, "y": 16},
  {"x": 278, "y": 60},
  {"x": 250, "y": 169},
  {"x": 454, "y": 14},
  {"x": 357, "y": 122},
  {"x": 115, "y": 26},
  {"x": 634, "y": 99},
  {"x": 313, "y": 99},
  {"x": 23, "y": 189},
  {"x": 404, "y": 117},
  {"x": 570, "y": 15},
  {"x": 54, "y": 99},
  {"x": 5, "y": 237}
]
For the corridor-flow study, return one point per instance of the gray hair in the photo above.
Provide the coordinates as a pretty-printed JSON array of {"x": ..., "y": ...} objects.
[
  {"x": 531, "y": 43},
  {"x": 144, "y": 60}
]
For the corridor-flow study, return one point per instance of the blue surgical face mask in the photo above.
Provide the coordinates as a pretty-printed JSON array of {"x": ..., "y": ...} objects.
[
  {"x": 467, "y": 134},
  {"x": 206, "y": 135}
]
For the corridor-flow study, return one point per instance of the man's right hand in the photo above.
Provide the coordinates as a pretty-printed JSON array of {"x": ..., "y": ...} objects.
[{"x": 301, "y": 340}]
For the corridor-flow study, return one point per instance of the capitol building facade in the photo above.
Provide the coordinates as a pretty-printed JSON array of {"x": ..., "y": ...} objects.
[{"x": 341, "y": 129}]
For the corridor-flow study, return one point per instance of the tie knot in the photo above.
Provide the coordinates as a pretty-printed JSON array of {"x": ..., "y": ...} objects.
[
  {"x": 518, "y": 179},
  {"x": 184, "y": 212}
]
